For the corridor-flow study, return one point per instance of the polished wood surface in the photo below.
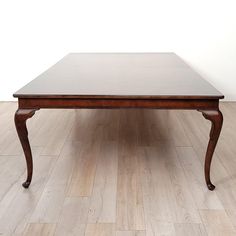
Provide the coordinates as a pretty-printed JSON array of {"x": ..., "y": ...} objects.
[
  {"x": 120, "y": 75},
  {"x": 146, "y": 173},
  {"x": 120, "y": 80}
]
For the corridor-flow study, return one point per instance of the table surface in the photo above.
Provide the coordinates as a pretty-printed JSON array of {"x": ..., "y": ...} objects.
[{"x": 120, "y": 75}]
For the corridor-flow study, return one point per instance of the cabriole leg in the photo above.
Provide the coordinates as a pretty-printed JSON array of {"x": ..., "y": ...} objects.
[
  {"x": 216, "y": 118},
  {"x": 21, "y": 117}
]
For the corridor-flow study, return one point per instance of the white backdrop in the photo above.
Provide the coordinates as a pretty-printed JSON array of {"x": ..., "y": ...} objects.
[{"x": 36, "y": 34}]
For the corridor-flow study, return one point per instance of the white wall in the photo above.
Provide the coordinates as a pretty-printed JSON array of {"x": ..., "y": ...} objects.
[{"x": 35, "y": 34}]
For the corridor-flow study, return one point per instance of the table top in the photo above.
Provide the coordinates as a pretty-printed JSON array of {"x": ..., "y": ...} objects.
[{"x": 120, "y": 75}]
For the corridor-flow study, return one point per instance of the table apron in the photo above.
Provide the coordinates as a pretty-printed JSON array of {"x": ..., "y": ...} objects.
[{"x": 38, "y": 103}]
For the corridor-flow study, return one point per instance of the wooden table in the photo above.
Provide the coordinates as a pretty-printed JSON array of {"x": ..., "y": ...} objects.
[{"x": 119, "y": 80}]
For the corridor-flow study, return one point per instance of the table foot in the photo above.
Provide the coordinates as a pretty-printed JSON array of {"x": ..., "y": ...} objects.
[
  {"x": 216, "y": 118},
  {"x": 26, "y": 184},
  {"x": 211, "y": 186},
  {"x": 21, "y": 117}
]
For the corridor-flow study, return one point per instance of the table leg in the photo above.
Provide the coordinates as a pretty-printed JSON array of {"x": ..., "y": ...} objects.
[
  {"x": 21, "y": 117},
  {"x": 216, "y": 118}
]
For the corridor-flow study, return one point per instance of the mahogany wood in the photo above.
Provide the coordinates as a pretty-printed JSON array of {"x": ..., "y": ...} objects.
[
  {"x": 120, "y": 76},
  {"x": 38, "y": 103},
  {"x": 143, "y": 80},
  {"x": 21, "y": 116},
  {"x": 216, "y": 119}
]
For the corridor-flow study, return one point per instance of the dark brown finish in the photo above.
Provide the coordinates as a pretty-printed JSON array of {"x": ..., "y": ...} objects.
[
  {"x": 216, "y": 119},
  {"x": 37, "y": 103},
  {"x": 119, "y": 80},
  {"x": 21, "y": 117},
  {"x": 120, "y": 76}
]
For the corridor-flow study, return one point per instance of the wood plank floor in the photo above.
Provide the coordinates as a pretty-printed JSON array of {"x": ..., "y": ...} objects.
[{"x": 117, "y": 172}]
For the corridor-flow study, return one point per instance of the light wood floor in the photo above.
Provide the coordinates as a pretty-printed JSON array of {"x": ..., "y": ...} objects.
[{"x": 117, "y": 173}]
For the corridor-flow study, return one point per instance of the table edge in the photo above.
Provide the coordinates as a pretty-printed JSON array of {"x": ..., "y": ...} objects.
[{"x": 164, "y": 97}]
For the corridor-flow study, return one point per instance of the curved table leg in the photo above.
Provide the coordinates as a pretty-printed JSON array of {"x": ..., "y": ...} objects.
[
  {"x": 21, "y": 117},
  {"x": 216, "y": 118}
]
